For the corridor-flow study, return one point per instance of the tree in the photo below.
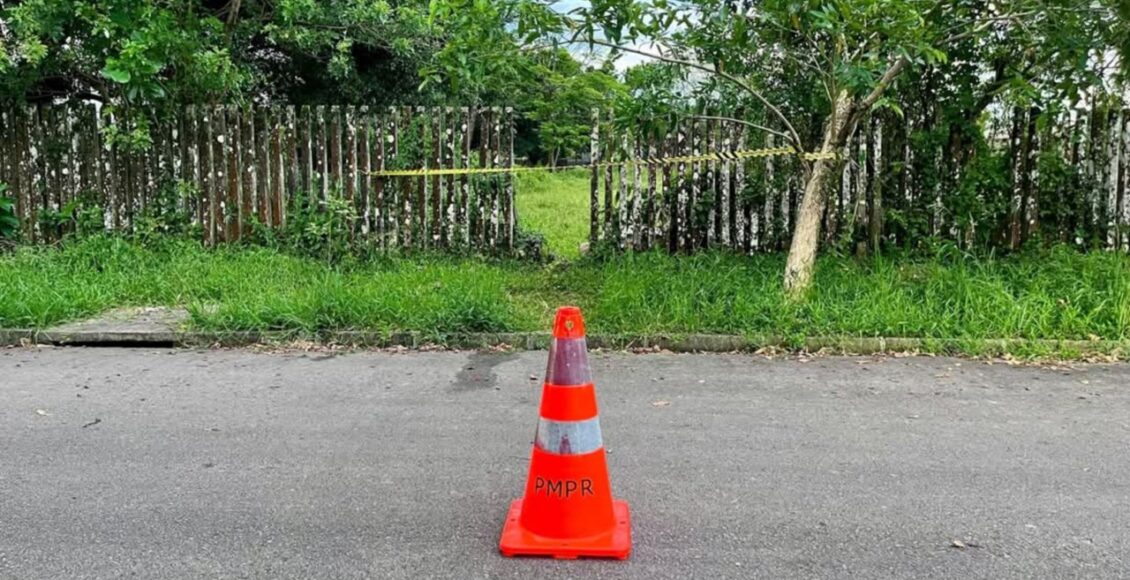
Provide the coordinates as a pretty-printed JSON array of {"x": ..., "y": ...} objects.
[
  {"x": 853, "y": 51},
  {"x": 657, "y": 95},
  {"x": 848, "y": 53},
  {"x": 487, "y": 58},
  {"x": 122, "y": 49},
  {"x": 334, "y": 51},
  {"x": 150, "y": 52},
  {"x": 563, "y": 106}
]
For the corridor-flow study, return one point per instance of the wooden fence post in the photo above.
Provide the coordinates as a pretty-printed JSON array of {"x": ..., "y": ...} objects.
[
  {"x": 349, "y": 166},
  {"x": 508, "y": 178},
  {"x": 466, "y": 132},
  {"x": 594, "y": 181}
]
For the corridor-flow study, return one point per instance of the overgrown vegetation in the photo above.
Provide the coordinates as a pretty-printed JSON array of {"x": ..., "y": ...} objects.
[
  {"x": 136, "y": 56},
  {"x": 9, "y": 224},
  {"x": 1058, "y": 294},
  {"x": 963, "y": 89},
  {"x": 311, "y": 276},
  {"x": 315, "y": 228},
  {"x": 948, "y": 78},
  {"x": 810, "y": 72}
]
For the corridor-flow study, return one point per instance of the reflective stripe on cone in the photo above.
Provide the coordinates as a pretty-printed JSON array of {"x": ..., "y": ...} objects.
[{"x": 569, "y": 437}]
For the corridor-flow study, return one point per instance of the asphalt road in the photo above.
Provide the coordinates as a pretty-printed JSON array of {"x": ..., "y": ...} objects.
[{"x": 233, "y": 464}]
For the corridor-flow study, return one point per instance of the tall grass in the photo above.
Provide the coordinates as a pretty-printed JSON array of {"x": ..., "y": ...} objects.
[
  {"x": 1057, "y": 294},
  {"x": 1060, "y": 294},
  {"x": 251, "y": 288},
  {"x": 268, "y": 291}
]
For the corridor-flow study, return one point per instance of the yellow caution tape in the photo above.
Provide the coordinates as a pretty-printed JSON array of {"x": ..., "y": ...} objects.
[{"x": 719, "y": 156}]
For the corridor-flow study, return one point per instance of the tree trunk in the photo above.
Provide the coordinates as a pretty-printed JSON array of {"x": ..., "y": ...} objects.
[
  {"x": 806, "y": 230},
  {"x": 233, "y": 16}
]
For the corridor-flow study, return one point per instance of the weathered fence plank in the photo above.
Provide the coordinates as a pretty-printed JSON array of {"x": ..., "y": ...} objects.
[
  {"x": 349, "y": 157},
  {"x": 250, "y": 205},
  {"x": 261, "y": 146},
  {"x": 204, "y": 142},
  {"x": 293, "y": 182},
  {"x": 386, "y": 139},
  {"x": 466, "y": 131},
  {"x": 278, "y": 172},
  {"x": 221, "y": 175},
  {"x": 482, "y": 208},
  {"x": 594, "y": 180},
  {"x": 447, "y": 183},
  {"x": 303, "y": 150},
  {"x": 609, "y": 155}
]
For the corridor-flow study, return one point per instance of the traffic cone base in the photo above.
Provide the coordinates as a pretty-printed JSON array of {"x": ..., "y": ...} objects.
[{"x": 616, "y": 543}]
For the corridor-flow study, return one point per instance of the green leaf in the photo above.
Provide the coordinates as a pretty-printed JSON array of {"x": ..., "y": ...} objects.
[{"x": 117, "y": 75}]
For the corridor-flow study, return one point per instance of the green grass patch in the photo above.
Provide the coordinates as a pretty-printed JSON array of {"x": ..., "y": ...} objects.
[
  {"x": 1060, "y": 295},
  {"x": 255, "y": 288},
  {"x": 1057, "y": 294},
  {"x": 557, "y": 206}
]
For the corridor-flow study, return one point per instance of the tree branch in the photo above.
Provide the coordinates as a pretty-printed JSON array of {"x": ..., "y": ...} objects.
[
  {"x": 793, "y": 136},
  {"x": 985, "y": 24},
  {"x": 901, "y": 63},
  {"x": 864, "y": 106},
  {"x": 884, "y": 82},
  {"x": 746, "y": 123},
  {"x": 998, "y": 84},
  {"x": 233, "y": 16}
]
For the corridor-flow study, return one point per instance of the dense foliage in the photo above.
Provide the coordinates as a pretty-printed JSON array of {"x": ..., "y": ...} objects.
[
  {"x": 796, "y": 56},
  {"x": 364, "y": 52},
  {"x": 957, "y": 77},
  {"x": 199, "y": 50},
  {"x": 947, "y": 295}
]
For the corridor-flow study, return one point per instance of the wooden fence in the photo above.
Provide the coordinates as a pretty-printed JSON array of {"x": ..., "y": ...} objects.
[
  {"x": 232, "y": 169},
  {"x": 678, "y": 206},
  {"x": 894, "y": 186}
]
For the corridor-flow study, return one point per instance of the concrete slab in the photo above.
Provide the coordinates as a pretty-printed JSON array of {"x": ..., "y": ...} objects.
[{"x": 154, "y": 319}]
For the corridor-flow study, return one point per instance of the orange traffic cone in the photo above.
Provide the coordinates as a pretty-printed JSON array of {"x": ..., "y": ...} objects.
[{"x": 568, "y": 510}]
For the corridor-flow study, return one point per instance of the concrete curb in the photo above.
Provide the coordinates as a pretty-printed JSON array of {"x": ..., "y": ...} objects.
[{"x": 540, "y": 341}]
